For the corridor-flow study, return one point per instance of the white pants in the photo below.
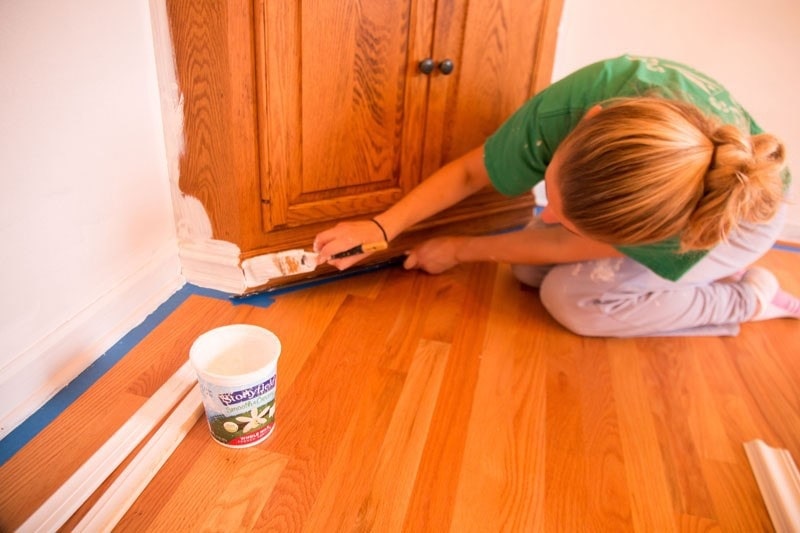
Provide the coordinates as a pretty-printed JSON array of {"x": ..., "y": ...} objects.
[{"x": 621, "y": 298}]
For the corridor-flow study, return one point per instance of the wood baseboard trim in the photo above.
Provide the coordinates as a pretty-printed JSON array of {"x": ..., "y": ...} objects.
[
  {"x": 779, "y": 483},
  {"x": 213, "y": 264},
  {"x": 32, "y": 378},
  {"x": 119, "y": 497},
  {"x": 57, "y": 509}
]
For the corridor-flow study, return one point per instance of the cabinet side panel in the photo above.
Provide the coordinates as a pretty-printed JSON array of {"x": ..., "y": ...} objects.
[
  {"x": 546, "y": 49},
  {"x": 213, "y": 53}
]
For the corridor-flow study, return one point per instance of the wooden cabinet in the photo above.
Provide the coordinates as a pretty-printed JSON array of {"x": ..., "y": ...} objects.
[{"x": 302, "y": 113}]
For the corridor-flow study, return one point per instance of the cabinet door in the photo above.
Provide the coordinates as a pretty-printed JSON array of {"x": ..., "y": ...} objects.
[
  {"x": 301, "y": 113},
  {"x": 341, "y": 106},
  {"x": 502, "y": 52}
]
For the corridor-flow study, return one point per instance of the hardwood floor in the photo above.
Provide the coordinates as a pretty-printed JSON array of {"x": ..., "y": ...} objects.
[{"x": 409, "y": 402}]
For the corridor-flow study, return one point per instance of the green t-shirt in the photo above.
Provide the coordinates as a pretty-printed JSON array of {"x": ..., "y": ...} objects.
[{"x": 517, "y": 154}]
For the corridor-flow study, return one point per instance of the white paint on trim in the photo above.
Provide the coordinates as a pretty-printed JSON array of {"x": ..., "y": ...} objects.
[
  {"x": 205, "y": 261},
  {"x": 119, "y": 497},
  {"x": 213, "y": 264},
  {"x": 34, "y": 376},
  {"x": 68, "y": 498},
  {"x": 193, "y": 224},
  {"x": 779, "y": 482}
]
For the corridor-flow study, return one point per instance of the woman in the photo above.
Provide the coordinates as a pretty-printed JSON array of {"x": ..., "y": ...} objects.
[{"x": 662, "y": 191}]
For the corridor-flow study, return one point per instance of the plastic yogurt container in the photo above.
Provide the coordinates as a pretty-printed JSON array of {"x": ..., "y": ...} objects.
[{"x": 237, "y": 368}]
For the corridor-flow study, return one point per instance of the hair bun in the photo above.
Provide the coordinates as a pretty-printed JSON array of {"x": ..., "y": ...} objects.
[
  {"x": 733, "y": 152},
  {"x": 743, "y": 157},
  {"x": 643, "y": 170},
  {"x": 769, "y": 149},
  {"x": 743, "y": 184}
]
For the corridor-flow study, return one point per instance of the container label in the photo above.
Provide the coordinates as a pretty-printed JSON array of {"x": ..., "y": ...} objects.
[
  {"x": 240, "y": 416},
  {"x": 236, "y": 397}
]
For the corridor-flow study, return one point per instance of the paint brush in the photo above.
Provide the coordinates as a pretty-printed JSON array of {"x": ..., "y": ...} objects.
[{"x": 260, "y": 269}]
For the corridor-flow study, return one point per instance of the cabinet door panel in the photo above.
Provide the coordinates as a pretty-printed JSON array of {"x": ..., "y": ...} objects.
[
  {"x": 335, "y": 109},
  {"x": 496, "y": 46}
]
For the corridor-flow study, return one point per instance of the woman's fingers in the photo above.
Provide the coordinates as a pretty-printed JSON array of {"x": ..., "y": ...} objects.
[
  {"x": 434, "y": 256},
  {"x": 344, "y": 236},
  {"x": 411, "y": 260}
]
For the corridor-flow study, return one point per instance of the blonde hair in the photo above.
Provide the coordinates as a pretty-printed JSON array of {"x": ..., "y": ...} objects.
[{"x": 643, "y": 170}]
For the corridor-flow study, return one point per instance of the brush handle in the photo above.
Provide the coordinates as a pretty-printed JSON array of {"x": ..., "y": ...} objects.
[{"x": 362, "y": 249}]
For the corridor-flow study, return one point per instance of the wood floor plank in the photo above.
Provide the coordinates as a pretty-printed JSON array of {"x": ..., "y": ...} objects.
[
  {"x": 411, "y": 299},
  {"x": 608, "y": 495},
  {"x": 241, "y": 502},
  {"x": 566, "y": 470},
  {"x": 346, "y": 484},
  {"x": 672, "y": 395},
  {"x": 501, "y": 481},
  {"x": 737, "y": 499},
  {"x": 431, "y": 505},
  {"x": 652, "y": 505},
  {"x": 384, "y": 498},
  {"x": 224, "y": 490},
  {"x": 705, "y": 418},
  {"x": 312, "y": 418},
  {"x": 697, "y": 524},
  {"x": 766, "y": 371}
]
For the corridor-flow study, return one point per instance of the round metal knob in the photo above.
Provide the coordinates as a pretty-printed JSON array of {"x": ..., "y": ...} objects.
[
  {"x": 427, "y": 65},
  {"x": 446, "y": 66}
]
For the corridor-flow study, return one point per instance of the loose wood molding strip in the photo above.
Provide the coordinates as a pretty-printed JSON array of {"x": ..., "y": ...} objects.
[
  {"x": 70, "y": 496},
  {"x": 779, "y": 482},
  {"x": 119, "y": 497}
]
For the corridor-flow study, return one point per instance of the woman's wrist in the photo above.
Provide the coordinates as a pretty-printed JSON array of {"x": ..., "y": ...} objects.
[
  {"x": 475, "y": 248},
  {"x": 380, "y": 227},
  {"x": 385, "y": 228}
]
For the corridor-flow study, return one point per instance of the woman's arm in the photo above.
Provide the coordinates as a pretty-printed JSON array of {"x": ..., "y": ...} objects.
[
  {"x": 444, "y": 188},
  {"x": 533, "y": 246}
]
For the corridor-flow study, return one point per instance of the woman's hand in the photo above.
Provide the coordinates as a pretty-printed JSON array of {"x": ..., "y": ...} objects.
[
  {"x": 344, "y": 236},
  {"x": 435, "y": 255}
]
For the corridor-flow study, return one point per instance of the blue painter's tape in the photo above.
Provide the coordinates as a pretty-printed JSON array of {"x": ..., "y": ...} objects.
[{"x": 787, "y": 247}]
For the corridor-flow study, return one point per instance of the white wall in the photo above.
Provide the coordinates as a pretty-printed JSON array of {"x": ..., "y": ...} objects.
[
  {"x": 86, "y": 224},
  {"x": 753, "y": 48}
]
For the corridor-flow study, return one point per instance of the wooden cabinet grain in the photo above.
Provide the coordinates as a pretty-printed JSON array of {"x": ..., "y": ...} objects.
[{"x": 298, "y": 114}]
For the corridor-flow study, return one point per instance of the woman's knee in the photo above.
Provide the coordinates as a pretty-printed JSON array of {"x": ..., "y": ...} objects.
[
  {"x": 554, "y": 292},
  {"x": 561, "y": 295}
]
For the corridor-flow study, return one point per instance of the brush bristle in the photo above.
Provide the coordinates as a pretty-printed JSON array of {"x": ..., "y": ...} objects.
[
  {"x": 288, "y": 264},
  {"x": 261, "y": 269}
]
